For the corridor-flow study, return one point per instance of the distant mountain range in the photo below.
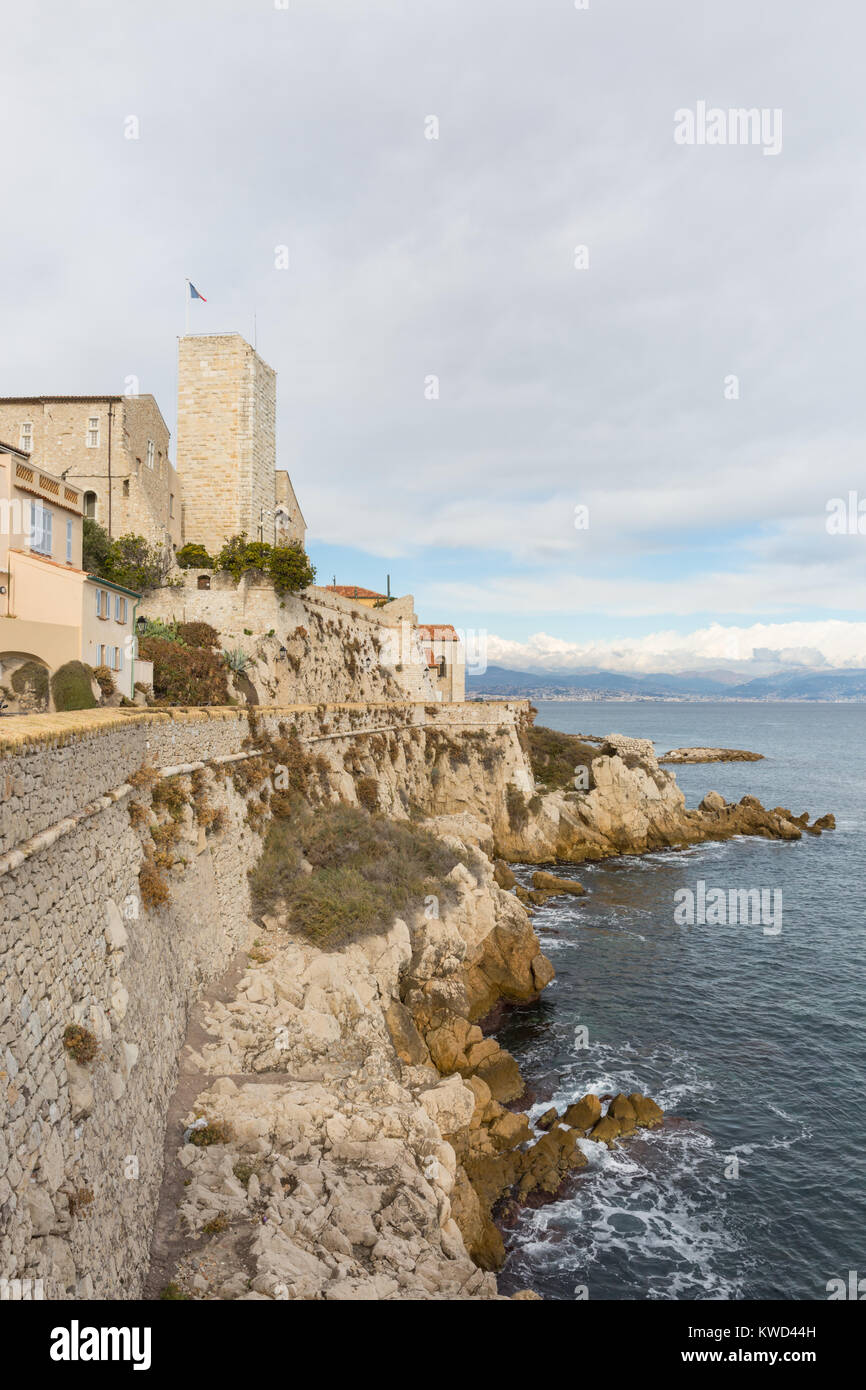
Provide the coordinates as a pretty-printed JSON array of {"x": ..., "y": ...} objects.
[{"x": 800, "y": 683}]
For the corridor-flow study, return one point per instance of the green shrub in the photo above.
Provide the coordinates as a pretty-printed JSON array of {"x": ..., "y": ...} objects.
[
  {"x": 105, "y": 679},
  {"x": 555, "y": 756},
  {"x": 367, "y": 789},
  {"x": 273, "y": 877},
  {"x": 198, "y": 635},
  {"x": 290, "y": 569},
  {"x": 95, "y": 548},
  {"x": 287, "y": 565},
  {"x": 213, "y": 1133},
  {"x": 166, "y": 632},
  {"x": 237, "y": 661},
  {"x": 194, "y": 557},
  {"x": 31, "y": 678},
  {"x": 366, "y": 871},
  {"x": 80, "y": 1043},
  {"x": 516, "y": 807},
  {"x": 185, "y": 675},
  {"x": 130, "y": 560},
  {"x": 70, "y": 686}
]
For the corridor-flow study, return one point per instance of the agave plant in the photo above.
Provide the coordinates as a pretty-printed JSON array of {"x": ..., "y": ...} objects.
[{"x": 238, "y": 661}]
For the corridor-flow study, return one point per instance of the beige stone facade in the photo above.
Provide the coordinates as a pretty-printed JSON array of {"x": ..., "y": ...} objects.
[
  {"x": 52, "y": 612},
  {"x": 446, "y": 659},
  {"x": 289, "y": 524},
  {"x": 108, "y": 632},
  {"x": 40, "y": 568},
  {"x": 113, "y": 448},
  {"x": 226, "y": 444}
]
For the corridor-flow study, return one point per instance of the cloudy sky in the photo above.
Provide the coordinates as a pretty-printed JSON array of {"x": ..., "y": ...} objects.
[{"x": 605, "y": 385}]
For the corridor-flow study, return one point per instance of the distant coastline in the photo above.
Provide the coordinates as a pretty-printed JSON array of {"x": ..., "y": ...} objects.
[
  {"x": 628, "y": 697},
  {"x": 790, "y": 685}
]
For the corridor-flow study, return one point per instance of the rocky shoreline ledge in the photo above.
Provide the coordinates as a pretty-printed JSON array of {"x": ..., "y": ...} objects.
[
  {"x": 352, "y": 1135},
  {"x": 710, "y": 755}
]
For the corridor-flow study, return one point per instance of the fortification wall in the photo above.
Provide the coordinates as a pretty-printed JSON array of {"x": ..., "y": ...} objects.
[
  {"x": 335, "y": 649},
  {"x": 81, "y": 1144}
]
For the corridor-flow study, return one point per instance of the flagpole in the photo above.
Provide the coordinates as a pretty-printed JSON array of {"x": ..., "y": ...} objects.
[{"x": 187, "y": 308}]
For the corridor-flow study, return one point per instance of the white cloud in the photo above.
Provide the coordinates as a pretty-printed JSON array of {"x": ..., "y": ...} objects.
[{"x": 763, "y": 646}]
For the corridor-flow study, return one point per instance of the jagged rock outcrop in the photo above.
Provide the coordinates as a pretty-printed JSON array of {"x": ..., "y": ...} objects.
[
  {"x": 631, "y": 806},
  {"x": 710, "y": 755}
]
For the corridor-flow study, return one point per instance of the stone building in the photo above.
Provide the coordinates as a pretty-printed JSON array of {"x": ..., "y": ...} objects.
[
  {"x": 114, "y": 448},
  {"x": 227, "y": 446},
  {"x": 289, "y": 519},
  {"x": 51, "y": 611},
  {"x": 446, "y": 659}
]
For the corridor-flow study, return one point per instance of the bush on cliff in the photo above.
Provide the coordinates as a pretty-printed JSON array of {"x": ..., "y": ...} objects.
[
  {"x": 70, "y": 686},
  {"x": 555, "y": 757},
  {"x": 198, "y": 635},
  {"x": 130, "y": 560},
  {"x": 194, "y": 557},
  {"x": 31, "y": 679},
  {"x": 287, "y": 565},
  {"x": 366, "y": 871},
  {"x": 184, "y": 675}
]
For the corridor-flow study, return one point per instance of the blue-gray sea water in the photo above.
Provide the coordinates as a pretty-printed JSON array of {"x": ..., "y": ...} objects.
[{"x": 754, "y": 1044}]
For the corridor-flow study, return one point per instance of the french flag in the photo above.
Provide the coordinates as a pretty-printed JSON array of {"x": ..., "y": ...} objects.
[{"x": 194, "y": 294}]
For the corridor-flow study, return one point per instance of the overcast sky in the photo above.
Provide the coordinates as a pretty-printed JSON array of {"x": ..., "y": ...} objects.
[{"x": 559, "y": 387}]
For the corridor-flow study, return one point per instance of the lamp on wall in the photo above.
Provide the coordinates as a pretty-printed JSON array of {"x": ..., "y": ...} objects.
[
  {"x": 283, "y": 653},
  {"x": 141, "y": 625}
]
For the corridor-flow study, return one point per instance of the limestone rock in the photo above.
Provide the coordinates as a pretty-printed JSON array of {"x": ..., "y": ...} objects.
[
  {"x": 502, "y": 1075},
  {"x": 552, "y": 884},
  {"x": 647, "y": 1113},
  {"x": 408, "y": 1043},
  {"x": 606, "y": 1131},
  {"x": 583, "y": 1114}
]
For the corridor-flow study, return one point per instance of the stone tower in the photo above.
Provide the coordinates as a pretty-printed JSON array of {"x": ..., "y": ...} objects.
[{"x": 226, "y": 439}]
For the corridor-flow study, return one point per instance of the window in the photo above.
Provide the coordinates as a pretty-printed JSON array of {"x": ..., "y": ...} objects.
[
  {"x": 69, "y": 542},
  {"x": 100, "y": 655},
  {"x": 102, "y": 603},
  {"x": 90, "y": 504},
  {"x": 118, "y": 658},
  {"x": 126, "y": 487},
  {"x": 93, "y": 432},
  {"x": 119, "y": 608},
  {"x": 149, "y": 456},
  {"x": 171, "y": 504},
  {"x": 25, "y": 440},
  {"x": 40, "y": 528}
]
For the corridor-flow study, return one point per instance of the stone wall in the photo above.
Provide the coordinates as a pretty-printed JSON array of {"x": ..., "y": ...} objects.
[
  {"x": 140, "y": 495},
  {"x": 334, "y": 649},
  {"x": 226, "y": 439},
  {"x": 81, "y": 1143}
]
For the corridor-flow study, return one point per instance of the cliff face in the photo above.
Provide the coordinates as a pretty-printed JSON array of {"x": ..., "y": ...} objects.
[
  {"x": 350, "y": 1081},
  {"x": 341, "y": 1087}
]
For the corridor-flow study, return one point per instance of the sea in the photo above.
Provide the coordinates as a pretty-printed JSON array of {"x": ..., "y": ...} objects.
[{"x": 752, "y": 1041}]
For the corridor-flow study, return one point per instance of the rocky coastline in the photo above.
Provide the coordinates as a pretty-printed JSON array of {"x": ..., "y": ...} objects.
[
  {"x": 710, "y": 755},
  {"x": 349, "y": 1129}
]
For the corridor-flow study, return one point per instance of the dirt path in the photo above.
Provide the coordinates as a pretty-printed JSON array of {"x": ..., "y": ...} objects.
[{"x": 168, "y": 1244}]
